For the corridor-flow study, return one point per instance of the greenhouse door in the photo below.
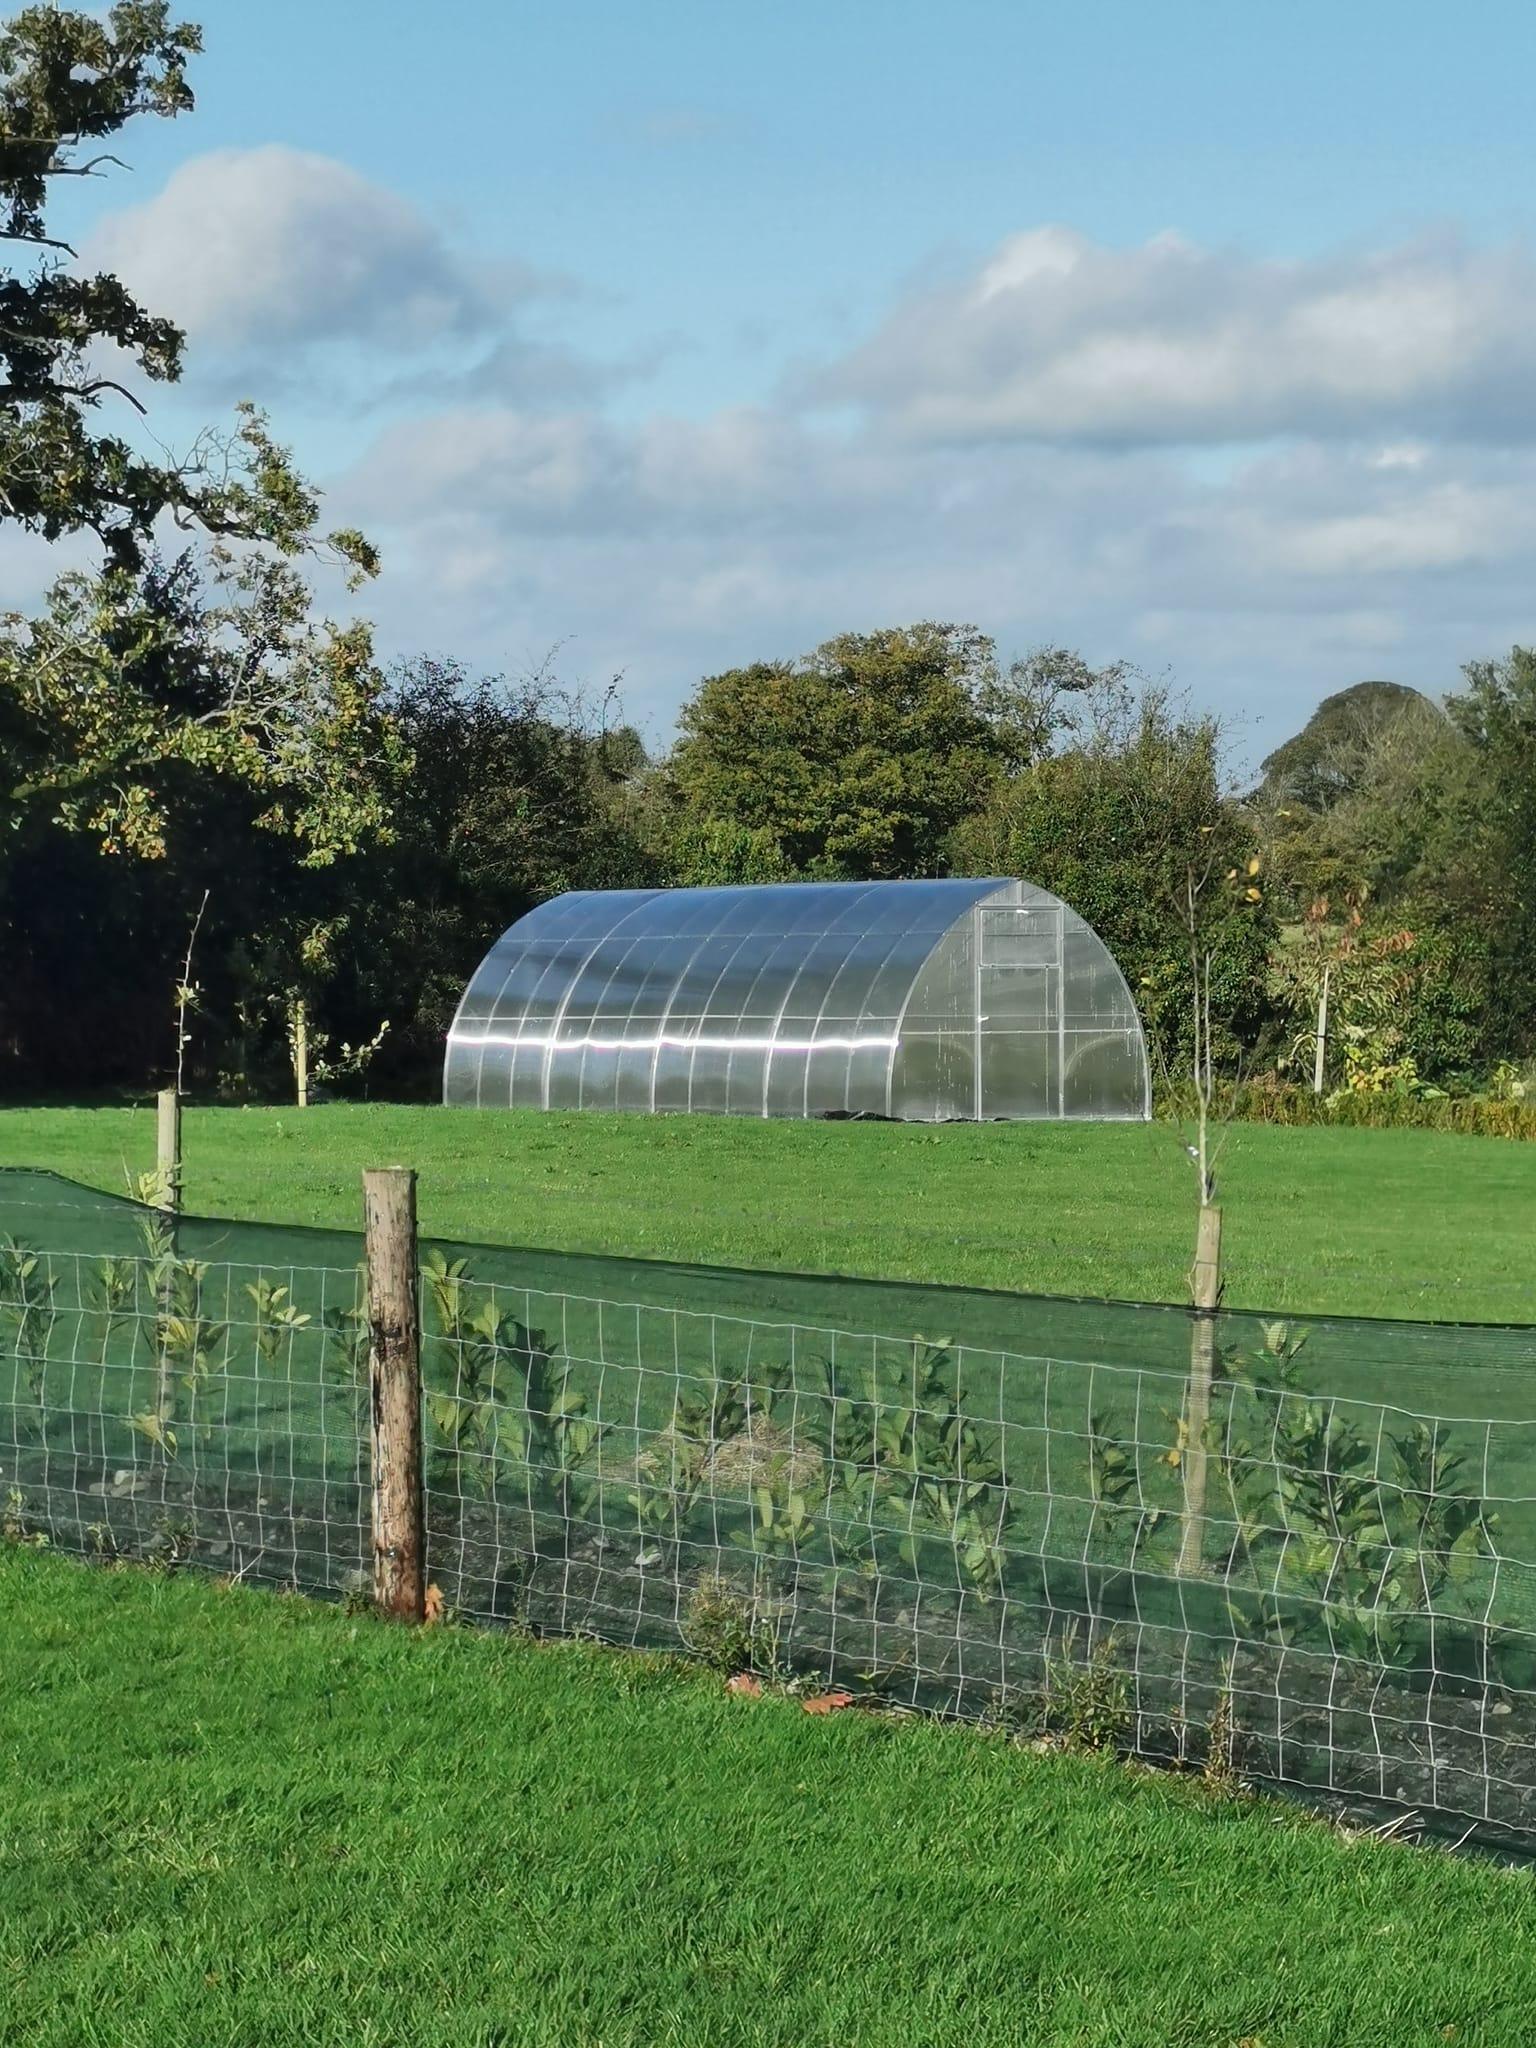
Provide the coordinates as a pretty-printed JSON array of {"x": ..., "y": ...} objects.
[{"x": 1019, "y": 1014}]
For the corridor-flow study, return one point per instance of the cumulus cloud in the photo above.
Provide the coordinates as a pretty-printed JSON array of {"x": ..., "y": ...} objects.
[
  {"x": 272, "y": 246},
  {"x": 669, "y": 548},
  {"x": 1058, "y": 338},
  {"x": 1271, "y": 477},
  {"x": 575, "y": 471}
]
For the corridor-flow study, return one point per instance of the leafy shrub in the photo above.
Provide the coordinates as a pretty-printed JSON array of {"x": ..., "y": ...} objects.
[
  {"x": 499, "y": 1398},
  {"x": 906, "y": 1441},
  {"x": 1359, "y": 1539},
  {"x": 189, "y": 1347},
  {"x": 27, "y": 1304},
  {"x": 15, "y": 1527}
]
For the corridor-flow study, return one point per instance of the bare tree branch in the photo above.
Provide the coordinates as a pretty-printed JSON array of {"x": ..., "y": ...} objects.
[{"x": 39, "y": 241}]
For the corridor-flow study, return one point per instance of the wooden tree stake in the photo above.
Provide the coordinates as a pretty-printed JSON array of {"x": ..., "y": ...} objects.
[
  {"x": 300, "y": 1044},
  {"x": 168, "y": 1205},
  {"x": 1205, "y": 1284},
  {"x": 168, "y": 1151},
  {"x": 1320, "y": 1059},
  {"x": 394, "y": 1376}
]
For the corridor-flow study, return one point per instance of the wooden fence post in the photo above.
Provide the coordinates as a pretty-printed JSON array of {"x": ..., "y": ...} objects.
[
  {"x": 1205, "y": 1284},
  {"x": 394, "y": 1382}
]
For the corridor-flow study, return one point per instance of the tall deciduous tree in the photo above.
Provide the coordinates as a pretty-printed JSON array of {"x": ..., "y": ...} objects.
[
  {"x": 1340, "y": 982},
  {"x": 1114, "y": 818},
  {"x": 1424, "y": 812},
  {"x": 1496, "y": 713},
  {"x": 857, "y": 759},
  {"x": 1333, "y": 755},
  {"x": 142, "y": 673},
  {"x": 510, "y": 801}
]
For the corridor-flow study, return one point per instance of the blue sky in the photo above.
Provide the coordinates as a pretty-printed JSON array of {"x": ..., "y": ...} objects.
[{"x": 685, "y": 335}]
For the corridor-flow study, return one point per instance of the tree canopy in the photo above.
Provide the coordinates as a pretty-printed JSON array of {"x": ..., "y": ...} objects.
[
  {"x": 192, "y": 648},
  {"x": 1327, "y": 759},
  {"x": 857, "y": 759},
  {"x": 1112, "y": 818}
]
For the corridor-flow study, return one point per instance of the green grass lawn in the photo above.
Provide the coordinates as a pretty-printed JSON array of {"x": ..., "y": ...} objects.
[
  {"x": 239, "y": 1819},
  {"x": 1397, "y": 1223}
]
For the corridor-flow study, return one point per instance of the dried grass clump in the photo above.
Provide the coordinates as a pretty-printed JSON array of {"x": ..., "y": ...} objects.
[
  {"x": 764, "y": 1453},
  {"x": 761, "y": 1453}
]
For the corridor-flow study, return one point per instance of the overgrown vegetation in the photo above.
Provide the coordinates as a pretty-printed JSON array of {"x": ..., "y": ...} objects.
[{"x": 1495, "y": 1111}]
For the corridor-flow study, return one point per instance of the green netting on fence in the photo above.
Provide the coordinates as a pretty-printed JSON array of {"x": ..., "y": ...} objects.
[{"x": 973, "y": 1502}]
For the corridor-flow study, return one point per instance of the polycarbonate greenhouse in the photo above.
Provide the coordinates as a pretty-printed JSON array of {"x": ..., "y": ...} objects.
[{"x": 926, "y": 1001}]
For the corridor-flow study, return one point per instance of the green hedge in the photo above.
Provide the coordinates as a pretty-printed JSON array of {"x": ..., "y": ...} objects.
[{"x": 1271, "y": 1103}]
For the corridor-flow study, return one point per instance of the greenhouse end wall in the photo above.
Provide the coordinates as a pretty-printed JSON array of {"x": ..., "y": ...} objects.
[{"x": 928, "y": 1001}]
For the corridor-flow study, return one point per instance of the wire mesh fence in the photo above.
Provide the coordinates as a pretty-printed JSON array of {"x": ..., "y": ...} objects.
[{"x": 975, "y": 1503}]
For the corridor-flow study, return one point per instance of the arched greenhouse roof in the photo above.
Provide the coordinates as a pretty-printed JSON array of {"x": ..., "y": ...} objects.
[{"x": 928, "y": 1001}]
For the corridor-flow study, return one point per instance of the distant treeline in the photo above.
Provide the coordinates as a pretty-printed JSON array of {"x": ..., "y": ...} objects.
[{"x": 1395, "y": 842}]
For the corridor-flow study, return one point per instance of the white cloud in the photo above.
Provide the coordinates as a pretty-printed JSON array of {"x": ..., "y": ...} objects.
[
  {"x": 1271, "y": 477},
  {"x": 1057, "y": 338},
  {"x": 272, "y": 247},
  {"x": 535, "y": 474},
  {"x": 294, "y": 275},
  {"x": 670, "y": 548},
  {"x": 1401, "y": 455}
]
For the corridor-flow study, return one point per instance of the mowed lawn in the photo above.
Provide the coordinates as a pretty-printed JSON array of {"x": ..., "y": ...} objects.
[
  {"x": 1397, "y": 1223},
  {"x": 236, "y": 1818}
]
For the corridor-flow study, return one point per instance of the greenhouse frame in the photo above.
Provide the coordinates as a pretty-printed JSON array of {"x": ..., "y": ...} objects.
[{"x": 925, "y": 1001}]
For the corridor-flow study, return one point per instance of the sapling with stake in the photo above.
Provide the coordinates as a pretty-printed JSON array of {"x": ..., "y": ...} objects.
[
  {"x": 277, "y": 1318},
  {"x": 1206, "y": 893},
  {"x": 187, "y": 1343},
  {"x": 189, "y": 997}
]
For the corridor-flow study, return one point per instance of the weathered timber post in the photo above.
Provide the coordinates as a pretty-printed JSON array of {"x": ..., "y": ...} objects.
[
  {"x": 167, "y": 1207},
  {"x": 394, "y": 1384},
  {"x": 1205, "y": 1285}
]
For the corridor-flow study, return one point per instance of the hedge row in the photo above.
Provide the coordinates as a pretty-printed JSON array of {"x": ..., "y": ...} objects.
[{"x": 1270, "y": 1103}]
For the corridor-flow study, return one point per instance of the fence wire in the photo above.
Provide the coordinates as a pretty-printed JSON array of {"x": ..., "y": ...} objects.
[{"x": 979, "y": 1504}]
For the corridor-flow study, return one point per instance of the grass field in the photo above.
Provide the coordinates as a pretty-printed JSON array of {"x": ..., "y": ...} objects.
[
  {"x": 1397, "y": 1223},
  {"x": 238, "y": 1819},
  {"x": 228, "y": 1816}
]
